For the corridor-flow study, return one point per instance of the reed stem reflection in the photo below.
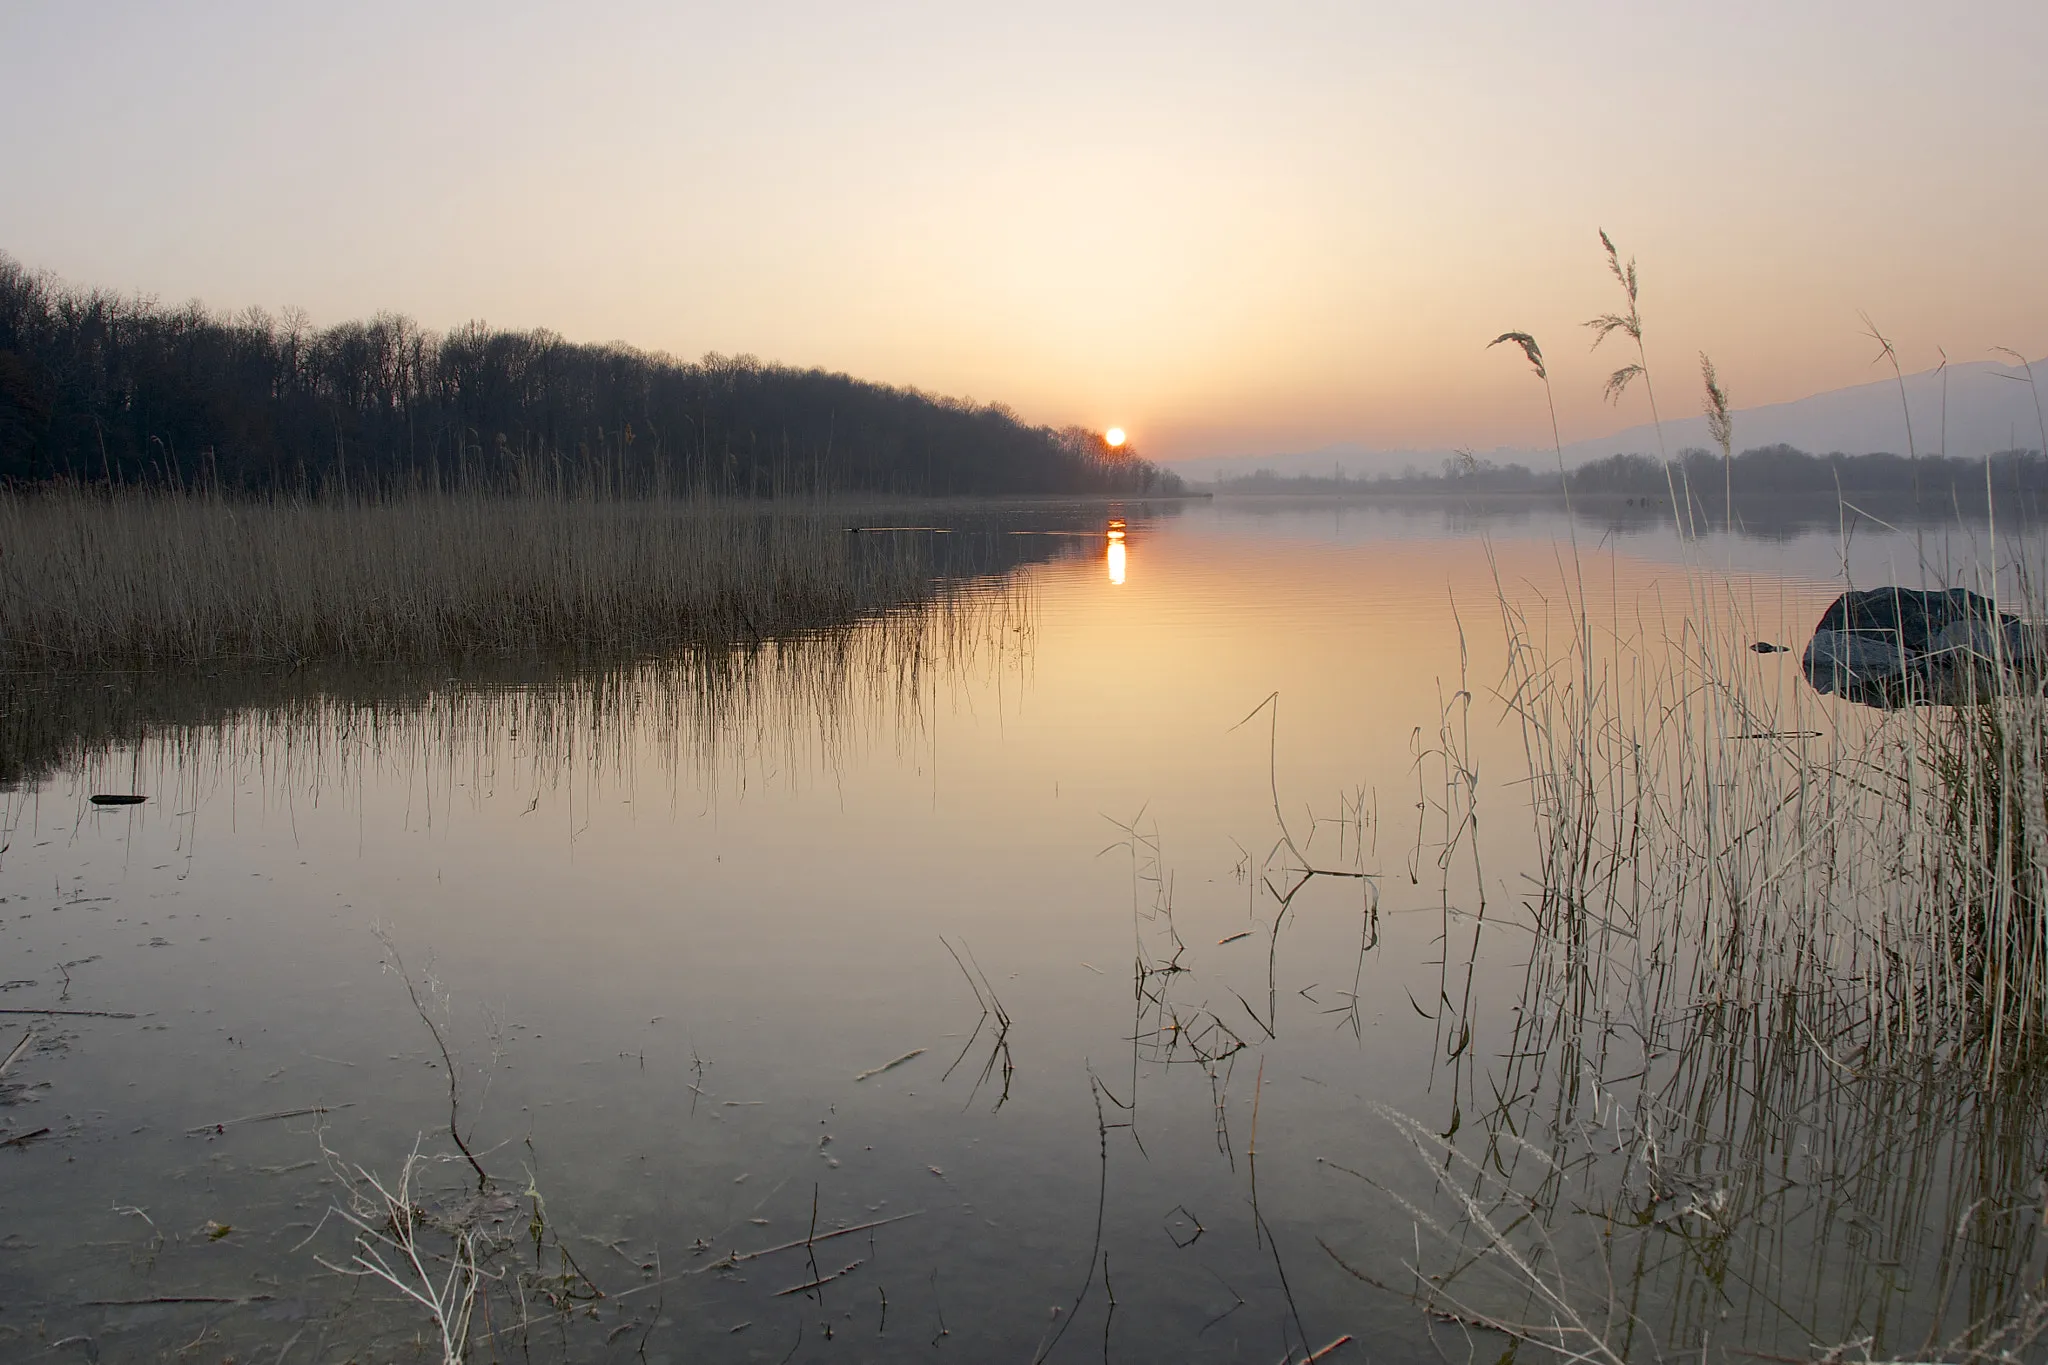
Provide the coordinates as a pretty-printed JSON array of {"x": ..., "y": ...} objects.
[{"x": 697, "y": 718}]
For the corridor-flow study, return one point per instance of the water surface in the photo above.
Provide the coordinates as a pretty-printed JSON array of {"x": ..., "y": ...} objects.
[{"x": 674, "y": 918}]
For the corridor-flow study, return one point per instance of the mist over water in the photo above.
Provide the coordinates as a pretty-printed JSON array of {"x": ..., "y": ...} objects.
[{"x": 1092, "y": 933}]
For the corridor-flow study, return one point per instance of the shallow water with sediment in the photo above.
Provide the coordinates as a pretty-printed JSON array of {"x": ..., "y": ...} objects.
[{"x": 1108, "y": 958}]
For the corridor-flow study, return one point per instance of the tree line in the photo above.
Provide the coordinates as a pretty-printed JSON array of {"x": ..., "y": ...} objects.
[
  {"x": 1702, "y": 474},
  {"x": 102, "y": 387}
]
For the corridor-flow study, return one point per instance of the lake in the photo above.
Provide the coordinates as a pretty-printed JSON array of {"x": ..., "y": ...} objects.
[{"x": 1117, "y": 948}]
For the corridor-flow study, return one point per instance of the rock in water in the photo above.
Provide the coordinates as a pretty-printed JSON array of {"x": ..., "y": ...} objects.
[{"x": 1907, "y": 647}]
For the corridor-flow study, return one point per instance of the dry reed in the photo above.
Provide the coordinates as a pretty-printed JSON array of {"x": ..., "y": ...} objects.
[
  {"x": 97, "y": 579},
  {"x": 1774, "y": 1079}
]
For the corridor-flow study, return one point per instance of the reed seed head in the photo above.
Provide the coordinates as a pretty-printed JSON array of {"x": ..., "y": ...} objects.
[
  {"x": 1719, "y": 424},
  {"x": 1529, "y": 349},
  {"x": 1618, "y": 382}
]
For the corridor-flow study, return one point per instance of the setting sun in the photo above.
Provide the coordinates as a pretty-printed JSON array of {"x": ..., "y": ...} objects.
[{"x": 1114, "y": 437}]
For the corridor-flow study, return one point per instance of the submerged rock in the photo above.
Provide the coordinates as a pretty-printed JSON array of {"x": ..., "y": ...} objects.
[{"x": 1906, "y": 647}]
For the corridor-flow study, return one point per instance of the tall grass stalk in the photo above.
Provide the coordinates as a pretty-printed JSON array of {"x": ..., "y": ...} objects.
[
  {"x": 95, "y": 579},
  {"x": 1778, "y": 1070},
  {"x": 1629, "y": 322},
  {"x": 1775, "y": 1074}
]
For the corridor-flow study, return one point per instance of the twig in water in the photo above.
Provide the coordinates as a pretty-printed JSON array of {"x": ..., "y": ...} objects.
[
  {"x": 1264, "y": 1026},
  {"x": 447, "y": 1060},
  {"x": 1239, "y": 1302},
  {"x": 1109, "y": 1318},
  {"x": 171, "y": 1298},
  {"x": 940, "y": 1309},
  {"x": 739, "y": 1256},
  {"x": 226, "y": 1124},
  {"x": 1252, "y": 1149},
  {"x": 27, "y": 1036},
  {"x": 811, "y": 1245},
  {"x": 1094, "y": 1252},
  {"x": 653, "y": 1317},
  {"x": 891, "y": 1066},
  {"x": 991, "y": 1008},
  {"x": 821, "y": 1280},
  {"x": 75, "y": 1014},
  {"x": 1265, "y": 1231}
]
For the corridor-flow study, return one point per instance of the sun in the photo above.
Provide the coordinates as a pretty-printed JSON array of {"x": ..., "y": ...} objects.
[{"x": 1114, "y": 437}]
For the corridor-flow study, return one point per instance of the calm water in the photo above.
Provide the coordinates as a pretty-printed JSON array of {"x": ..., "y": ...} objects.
[{"x": 674, "y": 919}]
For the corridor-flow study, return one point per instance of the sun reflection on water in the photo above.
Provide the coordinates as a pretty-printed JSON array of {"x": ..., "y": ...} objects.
[{"x": 1116, "y": 552}]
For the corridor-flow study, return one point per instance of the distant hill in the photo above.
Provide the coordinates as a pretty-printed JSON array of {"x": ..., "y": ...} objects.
[
  {"x": 1755, "y": 477},
  {"x": 104, "y": 387},
  {"x": 1990, "y": 408}
]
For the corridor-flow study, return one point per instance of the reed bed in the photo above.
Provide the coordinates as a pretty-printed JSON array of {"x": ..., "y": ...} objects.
[
  {"x": 144, "y": 578},
  {"x": 1774, "y": 1077},
  {"x": 1774, "y": 1085}
]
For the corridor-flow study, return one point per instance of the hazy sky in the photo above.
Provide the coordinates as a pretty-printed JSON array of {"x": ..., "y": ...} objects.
[{"x": 1228, "y": 228}]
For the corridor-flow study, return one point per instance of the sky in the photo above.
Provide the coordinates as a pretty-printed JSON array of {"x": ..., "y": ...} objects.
[{"x": 1228, "y": 228}]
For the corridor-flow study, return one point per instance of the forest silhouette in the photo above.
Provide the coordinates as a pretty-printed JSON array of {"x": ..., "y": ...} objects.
[{"x": 102, "y": 387}]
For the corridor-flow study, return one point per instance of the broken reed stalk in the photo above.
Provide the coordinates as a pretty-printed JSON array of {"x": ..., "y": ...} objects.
[
  {"x": 387, "y": 1247},
  {"x": 391, "y": 1221},
  {"x": 1095, "y": 1252},
  {"x": 412, "y": 991},
  {"x": 28, "y": 1035},
  {"x": 991, "y": 1010}
]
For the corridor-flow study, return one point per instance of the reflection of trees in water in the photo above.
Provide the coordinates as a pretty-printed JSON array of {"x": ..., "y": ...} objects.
[
  {"x": 52, "y": 717},
  {"x": 786, "y": 705},
  {"x": 920, "y": 588},
  {"x": 1767, "y": 517}
]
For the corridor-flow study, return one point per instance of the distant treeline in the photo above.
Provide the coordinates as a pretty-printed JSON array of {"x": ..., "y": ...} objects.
[
  {"x": 1777, "y": 469},
  {"x": 103, "y": 387}
]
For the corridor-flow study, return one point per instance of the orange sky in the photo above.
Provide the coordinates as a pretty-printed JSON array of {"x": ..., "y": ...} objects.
[{"x": 1227, "y": 228}]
